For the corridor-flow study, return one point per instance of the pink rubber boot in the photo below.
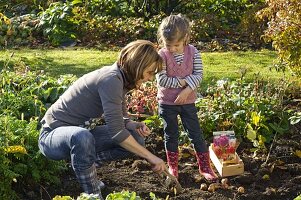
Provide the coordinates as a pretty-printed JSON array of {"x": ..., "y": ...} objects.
[
  {"x": 205, "y": 168},
  {"x": 172, "y": 161}
]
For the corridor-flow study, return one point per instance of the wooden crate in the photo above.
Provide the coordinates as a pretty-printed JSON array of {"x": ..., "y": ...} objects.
[{"x": 226, "y": 169}]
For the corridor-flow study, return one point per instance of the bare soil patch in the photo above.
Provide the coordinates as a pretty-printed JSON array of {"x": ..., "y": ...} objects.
[{"x": 279, "y": 178}]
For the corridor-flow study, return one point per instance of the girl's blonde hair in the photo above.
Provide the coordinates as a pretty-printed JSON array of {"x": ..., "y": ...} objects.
[
  {"x": 135, "y": 57},
  {"x": 173, "y": 29}
]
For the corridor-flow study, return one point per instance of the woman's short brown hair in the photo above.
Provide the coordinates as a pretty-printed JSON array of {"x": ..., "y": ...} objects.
[{"x": 135, "y": 57}]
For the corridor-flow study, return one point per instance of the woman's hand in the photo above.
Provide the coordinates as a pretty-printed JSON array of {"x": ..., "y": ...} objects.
[
  {"x": 143, "y": 130},
  {"x": 158, "y": 165},
  {"x": 131, "y": 145},
  {"x": 139, "y": 127}
]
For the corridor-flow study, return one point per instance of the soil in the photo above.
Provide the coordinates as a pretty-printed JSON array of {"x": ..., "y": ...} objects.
[{"x": 275, "y": 175}]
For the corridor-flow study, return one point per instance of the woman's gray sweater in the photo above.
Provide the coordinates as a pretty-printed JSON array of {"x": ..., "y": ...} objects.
[{"x": 98, "y": 93}]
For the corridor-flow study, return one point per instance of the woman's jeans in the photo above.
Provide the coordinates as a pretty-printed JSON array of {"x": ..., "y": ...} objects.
[
  {"x": 189, "y": 118},
  {"x": 84, "y": 147}
]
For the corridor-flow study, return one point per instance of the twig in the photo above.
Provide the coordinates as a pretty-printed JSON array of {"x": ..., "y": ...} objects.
[
  {"x": 268, "y": 156},
  {"x": 45, "y": 191}
]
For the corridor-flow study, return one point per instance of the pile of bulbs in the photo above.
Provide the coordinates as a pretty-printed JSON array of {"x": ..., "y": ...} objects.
[{"x": 224, "y": 185}]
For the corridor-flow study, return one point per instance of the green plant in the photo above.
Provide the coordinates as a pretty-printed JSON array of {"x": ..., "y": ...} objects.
[
  {"x": 19, "y": 7},
  {"x": 21, "y": 161},
  {"x": 253, "y": 109},
  {"x": 85, "y": 196},
  {"x": 125, "y": 195},
  {"x": 26, "y": 93},
  {"x": 24, "y": 97},
  {"x": 155, "y": 122},
  {"x": 58, "y": 24},
  {"x": 17, "y": 31},
  {"x": 298, "y": 197},
  {"x": 58, "y": 197}
]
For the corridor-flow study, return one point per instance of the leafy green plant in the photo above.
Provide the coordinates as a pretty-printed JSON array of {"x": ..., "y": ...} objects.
[
  {"x": 19, "y": 7},
  {"x": 59, "y": 197},
  {"x": 26, "y": 93},
  {"x": 298, "y": 197},
  {"x": 125, "y": 195},
  {"x": 24, "y": 98},
  {"x": 155, "y": 122},
  {"x": 21, "y": 161},
  {"x": 58, "y": 24},
  {"x": 17, "y": 31},
  {"x": 253, "y": 109}
]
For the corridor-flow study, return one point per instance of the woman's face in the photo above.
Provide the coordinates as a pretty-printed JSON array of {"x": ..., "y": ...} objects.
[{"x": 148, "y": 75}]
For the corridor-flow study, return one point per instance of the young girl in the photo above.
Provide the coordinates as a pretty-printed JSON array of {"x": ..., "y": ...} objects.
[
  {"x": 69, "y": 130},
  {"x": 177, "y": 84}
]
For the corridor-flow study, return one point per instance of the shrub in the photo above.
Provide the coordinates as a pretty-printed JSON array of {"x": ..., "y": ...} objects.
[
  {"x": 58, "y": 24},
  {"x": 284, "y": 32},
  {"x": 17, "y": 31}
]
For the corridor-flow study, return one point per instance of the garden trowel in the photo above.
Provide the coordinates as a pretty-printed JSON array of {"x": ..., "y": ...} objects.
[{"x": 172, "y": 182}]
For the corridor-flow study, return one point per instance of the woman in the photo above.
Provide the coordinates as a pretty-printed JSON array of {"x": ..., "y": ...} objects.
[{"x": 70, "y": 126}]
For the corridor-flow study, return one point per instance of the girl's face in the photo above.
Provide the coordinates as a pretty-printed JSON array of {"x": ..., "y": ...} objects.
[
  {"x": 176, "y": 47},
  {"x": 148, "y": 75}
]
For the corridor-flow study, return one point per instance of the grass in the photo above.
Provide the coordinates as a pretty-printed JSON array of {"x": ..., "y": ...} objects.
[
  {"x": 57, "y": 62},
  {"x": 228, "y": 64},
  {"x": 217, "y": 65}
]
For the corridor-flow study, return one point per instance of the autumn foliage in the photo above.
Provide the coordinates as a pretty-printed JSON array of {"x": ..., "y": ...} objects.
[{"x": 284, "y": 30}]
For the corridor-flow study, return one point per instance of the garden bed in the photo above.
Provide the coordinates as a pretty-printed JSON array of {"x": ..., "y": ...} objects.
[{"x": 278, "y": 178}]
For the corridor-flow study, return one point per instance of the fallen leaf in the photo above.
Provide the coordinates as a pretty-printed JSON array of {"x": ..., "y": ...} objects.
[
  {"x": 272, "y": 168},
  {"x": 298, "y": 153},
  {"x": 282, "y": 167},
  {"x": 266, "y": 177},
  {"x": 188, "y": 164},
  {"x": 186, "y": 155},
  {"x": 279, "y": 162}
]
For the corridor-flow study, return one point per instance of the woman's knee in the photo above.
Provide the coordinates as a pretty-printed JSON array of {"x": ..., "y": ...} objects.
[
  {"x": 82, "y": 150},
  {"x": 83, "y": 139}
]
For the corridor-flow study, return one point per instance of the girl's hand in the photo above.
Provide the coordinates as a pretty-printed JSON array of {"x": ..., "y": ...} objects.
[
  {"x": 183, "y": 82},
  {"x": 182, "y": 97}
]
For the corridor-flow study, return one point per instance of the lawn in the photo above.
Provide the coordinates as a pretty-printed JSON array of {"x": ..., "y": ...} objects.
[
  {"x": 217, "y": 65},
  {"x": 58, "y": 61}
]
